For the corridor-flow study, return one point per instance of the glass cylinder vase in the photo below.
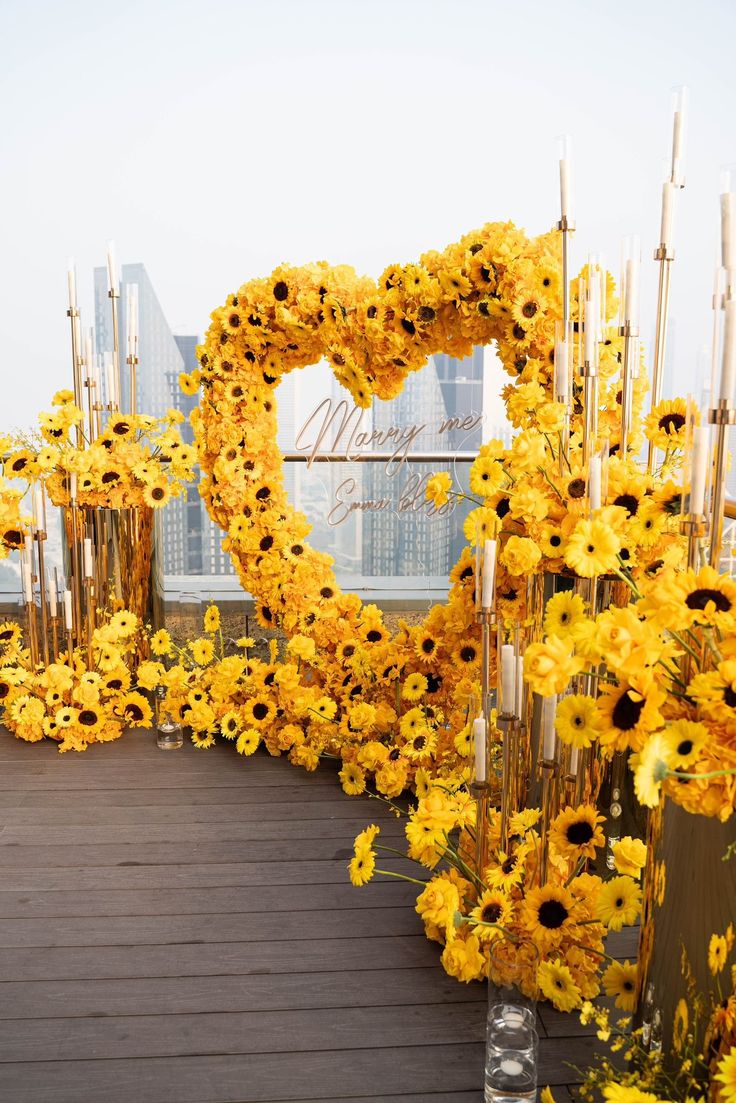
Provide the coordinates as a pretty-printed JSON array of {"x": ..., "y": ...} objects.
[{"x": 511, "y": 1028}]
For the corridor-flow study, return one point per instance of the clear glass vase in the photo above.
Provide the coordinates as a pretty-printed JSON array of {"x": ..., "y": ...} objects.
[
  {"x": 169, "y": 734},
  {"x": 511, "y": 1031}
]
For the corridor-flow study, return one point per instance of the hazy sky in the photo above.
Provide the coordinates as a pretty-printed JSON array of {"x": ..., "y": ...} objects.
[{"x": 213, "y": 140}]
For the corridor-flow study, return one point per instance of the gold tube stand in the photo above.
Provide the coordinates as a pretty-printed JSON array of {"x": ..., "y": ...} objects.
[{"x": 722, "y": 416}]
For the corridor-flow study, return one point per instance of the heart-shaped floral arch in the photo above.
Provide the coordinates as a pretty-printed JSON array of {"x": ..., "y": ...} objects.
[{"x": 495, "y": 284}]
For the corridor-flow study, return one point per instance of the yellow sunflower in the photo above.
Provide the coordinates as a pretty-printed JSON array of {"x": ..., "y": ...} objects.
[
  {"x": 493, "y": 912},
  {"x": 157, "y": 493},
  {"x": 684, "y": 740},
  {"x": 426, "y": 646},
  {"x": 258, "y": 712},
  {"x": 509, "y": 870},
  {"x": 627, "y": 713},
  {"x": 679, "y": 1026},
  {"x": 202, "y": 740},
  {"x": 576, "y": 832},
  {"x": 548, "y": 914},
  {"x": 136, "y": 710},
  {"x": 230, "y": 725},
  {"x": 665, "y": 426}
]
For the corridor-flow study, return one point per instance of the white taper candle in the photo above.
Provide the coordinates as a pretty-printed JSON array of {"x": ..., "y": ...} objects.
[
  {"x": 71, "y": 279},
  {"x": 479, "y": 746},
  {"x": 728, "y": 368},
  {"x": 112, "y": 271},
  {"x": 549, "y": 708},
  {"x": 668, "y": 211},
  {"x": 508, "y": 679},
  {"x": 88, "y": 561},
  {"x": 562, "y": 382},
  {"x": 489, "y": 573},
  {"x": 68, "y": 622},
  {"x": 631, "y": 305},
  {"x": 728, "y": 229}
]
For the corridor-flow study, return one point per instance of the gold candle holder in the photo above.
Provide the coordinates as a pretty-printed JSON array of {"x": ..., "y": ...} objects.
[
  {"x": 76, "y": 572},
  {"x": 113, "y": 295},
  {"x": 486, "y": 618},
  {"x": 590, "y": 400},
  {"x": 481, "y": 793},
  {"x": 40, "y": 537},
  {"x": 629, "y": 333},
  {"x": 565, "y": 227},
  {"x": 665, "y": 256},
  {"x": 550, "y": 773},
  {"x": 70, "y": 647},
  {"x": 55, "y": 625},
  {"x": 132, "y": 362},
  {"x": 506, "y": 723},
  {"x": 89, "y": 593},
  {"x": 73, "y": 316}
]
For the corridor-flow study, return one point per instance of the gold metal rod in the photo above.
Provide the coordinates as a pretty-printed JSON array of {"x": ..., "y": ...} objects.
[
  {"x": 629, "y": 334},
  {"x": 55, "y": 637},
  {"x": 665, "y": 258},
  {"x": 32, "y": 632},
  {"x": 76, "y": 587},
  {"x": 70, "y": 647},
  {"x": 40, "y": 537},
  {"x": 113, "y": 294},
  {"x": 90, "y": 607},
  {"x": 505, "y": 722},
  {"x": 590, "y": 398},
  {"x": 549, "y": 770},
  {"x": 480, "y": 790},
  {"x": 722, "y": 416},
  {"x": 73, "y": 314}
]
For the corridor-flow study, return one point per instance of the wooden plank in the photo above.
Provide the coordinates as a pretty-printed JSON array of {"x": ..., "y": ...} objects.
[
  {"x": 212, "y": 959},
  {"x": 262, "y": 1078},
  {"x": 251, "y": 926},
  {"x": 246, "y": 1078},
  {"x": 235, "y": 874},
  {"x": 388, "y": 893},
  {"x": 243, "y": 1032},
  {"x": 57, "y": 777},
  {"x": 260, "y": 992},
  {"x": 191, "y": 834},
  {"x": 40, "y": 814},
  {"x": 107, "y": 795}
]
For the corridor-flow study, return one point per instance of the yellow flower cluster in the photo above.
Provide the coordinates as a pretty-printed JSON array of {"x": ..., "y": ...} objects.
[
  {"x": 666, "y": 671},
  {"x": 73, "y": 703},
  {"x": 137, "y": 460},
  {"x": 484, "y": 918},
  {"x": 14, "y": 524}
]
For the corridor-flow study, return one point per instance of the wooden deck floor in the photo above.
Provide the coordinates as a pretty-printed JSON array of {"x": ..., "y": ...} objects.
[{"x": 179, "y": 928}]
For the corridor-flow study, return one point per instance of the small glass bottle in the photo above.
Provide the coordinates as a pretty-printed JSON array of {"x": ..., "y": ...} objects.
[{"x": 169, "y": 734}]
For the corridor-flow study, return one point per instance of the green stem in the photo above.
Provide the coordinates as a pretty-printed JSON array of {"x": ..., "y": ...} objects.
[{"x": 402, "y": 877}]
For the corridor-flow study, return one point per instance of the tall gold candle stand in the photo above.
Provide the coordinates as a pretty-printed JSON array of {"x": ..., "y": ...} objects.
[
  {"x": 73, "y": 315},
  {"x": 665, "y": 256},
  {"x": 70, "y": 647},
  {"x": 481, "y": 794},
  {"x": 506, "y": 723},
  {"x": 89, "y": 592},
  {"x": 114, "y": 294},
  {"x": 590, "y": 399},
  {"x": 486, "y": 618},
  {"x": 40, "y": 536},
  {"x": 549, "y": 770},
  {"x": 630, "y": 334},
  {"x": 76, "y": 586},
  {"x": 55, "y": 623},
  {"x": 565, "y": 227},
  {"x": 132, "y": 362},
  {"x": 722, "y": 416}
]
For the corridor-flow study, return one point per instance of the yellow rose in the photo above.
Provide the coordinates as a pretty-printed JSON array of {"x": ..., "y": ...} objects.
[
  {"x": 548, "y": 666},
  {"x": 520, "y": 555}
]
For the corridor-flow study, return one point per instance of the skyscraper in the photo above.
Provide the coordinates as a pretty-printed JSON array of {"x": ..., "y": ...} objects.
[{"x": 191, "y": 541}]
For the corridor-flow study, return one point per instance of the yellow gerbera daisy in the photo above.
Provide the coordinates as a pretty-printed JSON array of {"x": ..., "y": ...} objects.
[
  {"x": 212, "y": 619},
  {"x": 352, "y": 779},
  {"x": 619, "y": 980},
  {"x": 576, "y": 720},
  {"x": 717, "y": 954},
  {"x": 203, "y": 651},
  {"x": 248, "y": 741},
  {"x": 592, "y": 549},
  {"x": 563, "y": 612},
  {"x": 619, "y": 902},
  {"x": 414, "y": 687},
  {"x": 557, "y": 984}
]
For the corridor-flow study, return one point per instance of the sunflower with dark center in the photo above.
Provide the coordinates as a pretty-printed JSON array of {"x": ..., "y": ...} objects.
[
  {"x": 548, "y": 914},
  {"x": 425, "y": 646},
  {"x": 493, "y": 913},
  {"x": 576, "y": 832}
]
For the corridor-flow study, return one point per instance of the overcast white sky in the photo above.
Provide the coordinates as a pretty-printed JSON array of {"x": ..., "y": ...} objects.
[{"x": 213, "y": 140}]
